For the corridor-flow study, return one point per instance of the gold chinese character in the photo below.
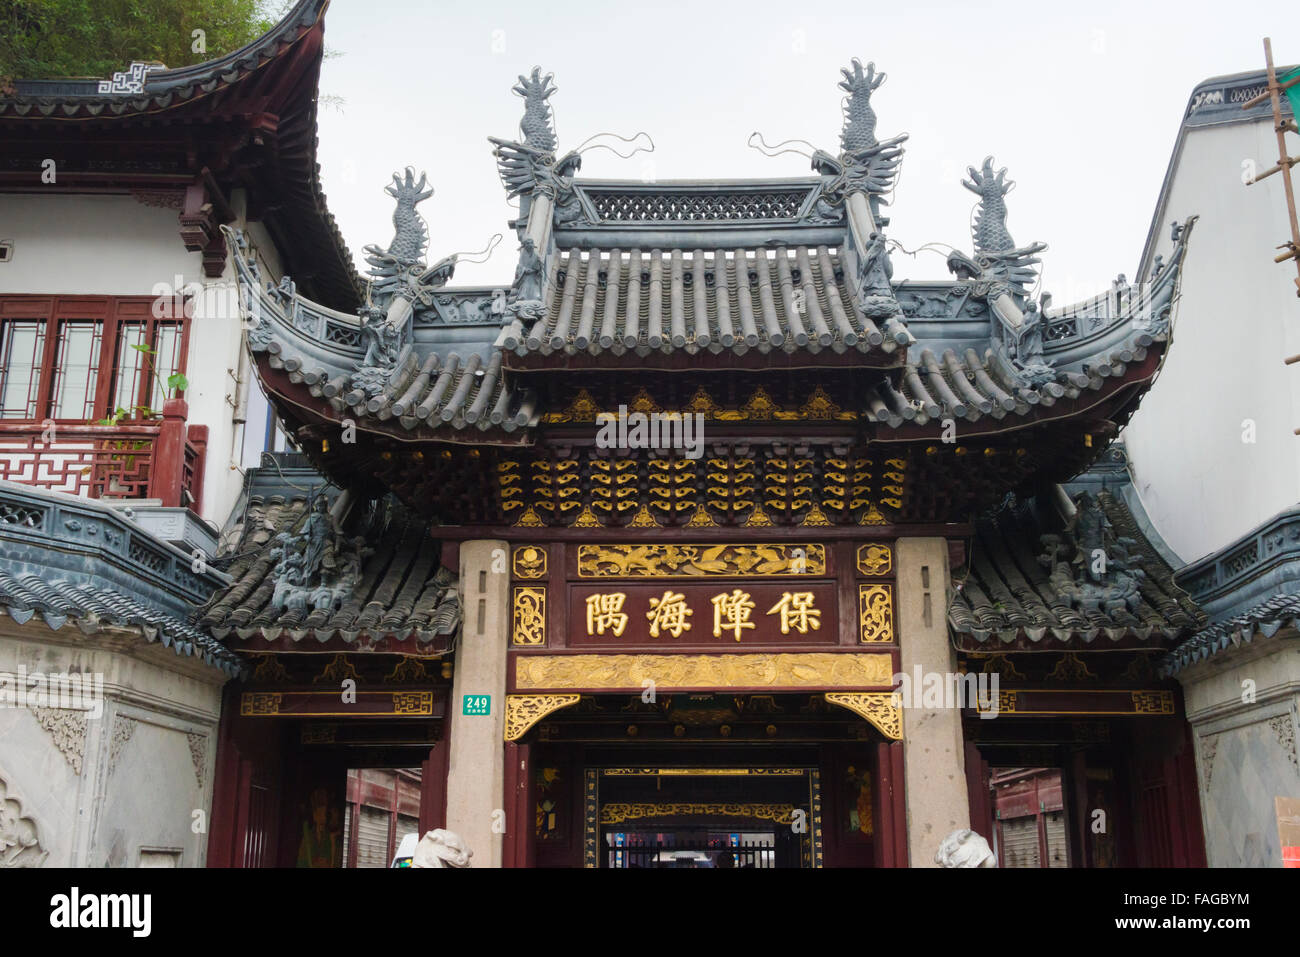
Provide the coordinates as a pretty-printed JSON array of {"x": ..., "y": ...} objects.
[
  {"x": 670, "y": 614},
  {"x": 731, "y": 612},
  {"x": 797, "y": 612},
  {"x": 606, "y": 611}
]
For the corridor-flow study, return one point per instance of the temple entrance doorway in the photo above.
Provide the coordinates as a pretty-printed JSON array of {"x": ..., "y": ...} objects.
[
  {"x": 708, "y": 817},
  {"x": 714, "y": 780}
]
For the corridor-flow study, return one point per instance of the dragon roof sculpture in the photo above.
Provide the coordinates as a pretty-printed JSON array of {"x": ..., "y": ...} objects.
[{"x": 623, "y": 280}]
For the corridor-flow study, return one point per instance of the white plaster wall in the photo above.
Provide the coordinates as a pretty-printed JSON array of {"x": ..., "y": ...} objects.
[
  {"x": 115, "y": 246},
  {"x": 1244, "y": 708},
  {"x": 128, "y": 780},
  {"x": 1238, "y": 319}
]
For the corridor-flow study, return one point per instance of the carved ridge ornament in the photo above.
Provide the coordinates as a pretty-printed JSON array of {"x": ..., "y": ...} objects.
[
  {"x": 681, "y": 672},
  {"x": 528, "y": 621},
  {"x": 525, "y": 710},
  {"x": 618, "y": 813},
  {"x": 876, "y": 612},
  {"x": 699, "y": 561},
  {"x": 879, "y": 707}
]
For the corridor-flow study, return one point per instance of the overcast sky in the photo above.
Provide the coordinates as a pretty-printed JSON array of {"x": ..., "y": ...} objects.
[{"x": 1080, "y": 103}]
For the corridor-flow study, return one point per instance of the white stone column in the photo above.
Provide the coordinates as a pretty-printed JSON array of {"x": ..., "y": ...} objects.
[
  {"x": 476, "y": 759},
  {"x": 934, "y": 768}
]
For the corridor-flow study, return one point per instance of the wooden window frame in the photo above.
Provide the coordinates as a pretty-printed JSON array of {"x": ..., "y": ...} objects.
[{"x": 115, "y": 313}]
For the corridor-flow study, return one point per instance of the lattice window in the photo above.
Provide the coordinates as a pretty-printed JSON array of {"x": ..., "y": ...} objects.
[
  {"x": 69, "y": 358},
  {"x": 141, "y": 376},
  {"x": 20, "y": 368},
  {"x": 700, "y": 206},
  {"x": 76, "y": 369}
]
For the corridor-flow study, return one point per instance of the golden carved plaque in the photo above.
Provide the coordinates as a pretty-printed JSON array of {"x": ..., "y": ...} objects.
[
  {"x": 875, "y": 559},
  {"x": 525, "y": 710},
  {"x": 413, "y": 702},
  {"x": 618, "y": 813},
  {"x": 879, "y": 707},
  {"x": 688, "y": 672},
  {"x": 259, "y": 703},
  {"x": 530, "y": 561},
  {"x": 698, "y": 561},
  {"x": 876, "y": 612},
  {"x": 1153, "y": 702},
  {"x": 529, "y": 618}
]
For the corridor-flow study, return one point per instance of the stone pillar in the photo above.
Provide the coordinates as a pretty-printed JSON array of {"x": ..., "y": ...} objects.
[
  {"x": 933, "y": 747},
  {"x": 476, "y": 757}
]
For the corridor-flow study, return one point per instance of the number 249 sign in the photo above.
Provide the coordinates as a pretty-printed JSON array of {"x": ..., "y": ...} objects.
[{"x": 477, "y": 704}]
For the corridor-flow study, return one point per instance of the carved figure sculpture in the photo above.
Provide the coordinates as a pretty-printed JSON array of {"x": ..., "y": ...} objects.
[
  {"x": 965, "y": 848},
  {"x": 439, "y": 848}
]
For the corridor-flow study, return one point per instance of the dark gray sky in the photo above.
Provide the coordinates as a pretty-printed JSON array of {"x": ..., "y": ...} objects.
[{"x": 1081, "y": 102}]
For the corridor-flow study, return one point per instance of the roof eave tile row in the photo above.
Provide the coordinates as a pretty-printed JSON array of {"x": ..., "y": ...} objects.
[
  {"x": 436, "y": 392},
  {"x": 640, "y": 303},
  {"x": 93, "y": 609},
  {"x": 972, "y": 387},
  {"x": 1263, "y": 621}
]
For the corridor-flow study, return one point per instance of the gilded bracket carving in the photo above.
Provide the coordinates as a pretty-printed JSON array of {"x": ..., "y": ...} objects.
[
  {"x": 878, "y": 707},
  {"x": 525, "y": 710}
]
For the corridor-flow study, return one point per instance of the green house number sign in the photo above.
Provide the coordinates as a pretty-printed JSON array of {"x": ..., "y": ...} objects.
[{"x": 475, "y": 704}]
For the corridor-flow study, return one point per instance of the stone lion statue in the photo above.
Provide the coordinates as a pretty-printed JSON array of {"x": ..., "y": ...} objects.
[
  {"x": 965, "y": 848},
  {"x": 440, "y": 848}
]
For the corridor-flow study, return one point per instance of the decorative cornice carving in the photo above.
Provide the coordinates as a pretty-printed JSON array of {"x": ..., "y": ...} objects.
[
  {"x": 1284, "y": 728},
  {"x": 68, "y": 729},
  {"x": 878, "y": 707},
  {"x": 198, "y": 752},
  {"x": 524, "y": 711},
  {"x": 123, "y": 731}
]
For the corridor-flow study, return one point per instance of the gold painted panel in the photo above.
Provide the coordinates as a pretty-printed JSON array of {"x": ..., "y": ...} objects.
[
  {"x": 875, "y": 559},
  {"x": 529, "y": 616},
  {"x": 697, "y": 561},
  {"x": 686, "y": 672},
  {"x": 530, "y": 561},
  {"x": 876, "y": 613}
]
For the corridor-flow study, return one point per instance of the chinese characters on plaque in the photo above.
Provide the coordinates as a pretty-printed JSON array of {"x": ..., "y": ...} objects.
[{"x": 732, "y": 614}]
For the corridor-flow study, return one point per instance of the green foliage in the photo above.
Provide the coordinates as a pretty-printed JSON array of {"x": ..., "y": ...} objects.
[{"x": 44, "y": 39}]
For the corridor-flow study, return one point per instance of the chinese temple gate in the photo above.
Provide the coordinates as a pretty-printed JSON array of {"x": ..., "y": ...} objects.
[{"x": 629, "y": 557}]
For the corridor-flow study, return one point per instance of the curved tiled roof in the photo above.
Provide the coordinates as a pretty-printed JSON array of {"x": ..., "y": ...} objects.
[
  {"x": 1008, "y": 597},
  {"x": 163, "y": 89},
  {"x": 653, "y": 301},
  {"x": 404, "y": 592},
  {"x": 91, "y": 608},
  {"x": 308, "y": 237},
  {"x": 453, "y": 392},
  {"x": 1263, "y": 621}
]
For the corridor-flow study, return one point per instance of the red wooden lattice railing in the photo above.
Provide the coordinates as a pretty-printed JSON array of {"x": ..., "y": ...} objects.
[{"x": 159, "y": 459}]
